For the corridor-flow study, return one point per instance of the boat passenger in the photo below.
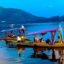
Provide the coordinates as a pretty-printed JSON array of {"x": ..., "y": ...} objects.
[
  {"x": 48, "y": 41},
  {"x": 11, "y": 35},
  {"x": 59, "y": 39},
  {"x": 22, "y": 30},
  {"x": 41, "y": 40},
  {"x": 36, "y": 40},
  {"x": 18, "y": 38}
]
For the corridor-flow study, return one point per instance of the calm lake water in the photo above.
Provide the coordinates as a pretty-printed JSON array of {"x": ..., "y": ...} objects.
[{"x": 9, "y": 55}]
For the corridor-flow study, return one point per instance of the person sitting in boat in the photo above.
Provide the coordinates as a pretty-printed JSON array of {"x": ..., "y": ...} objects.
[
  {"x": 48, "y": 41},
  {"x": 11, "y": 35},
  {"x": 18, "y": 39},
  {"x": 41, "y": 40},
  {"x": 59, "y": 39},
  {"x": 36, "y": 40}
]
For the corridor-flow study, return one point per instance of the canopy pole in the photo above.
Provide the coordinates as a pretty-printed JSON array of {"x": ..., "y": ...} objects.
[
  {"x": 60, "y": 35},
  {"x": 53, "y": 36}
]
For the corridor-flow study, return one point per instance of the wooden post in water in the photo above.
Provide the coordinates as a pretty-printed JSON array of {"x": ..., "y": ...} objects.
[{"x": 53, "y": 36}]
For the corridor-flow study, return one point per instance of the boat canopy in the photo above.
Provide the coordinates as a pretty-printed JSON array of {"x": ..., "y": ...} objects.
[{"x": 43, "y": 31}]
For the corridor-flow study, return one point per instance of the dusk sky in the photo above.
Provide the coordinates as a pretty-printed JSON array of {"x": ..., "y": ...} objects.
[{"x": 43, "y": 8}]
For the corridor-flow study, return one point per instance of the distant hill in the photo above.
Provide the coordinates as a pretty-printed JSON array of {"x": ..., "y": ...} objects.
[
  {"x": 17, "y": 16},
  {"x": 11, "y": 15}
]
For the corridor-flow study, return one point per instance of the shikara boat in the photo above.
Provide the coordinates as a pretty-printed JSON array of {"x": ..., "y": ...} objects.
[
  {"x": 38, "y": 44},
  {"x": 10, "y": 38}
]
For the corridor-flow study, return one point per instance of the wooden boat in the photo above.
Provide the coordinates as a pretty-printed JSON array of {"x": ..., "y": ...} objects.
[
  {"x": 39, "y": 45},
  {"x": 10, "y": 38},
  {"x": 45, "y": 45}
]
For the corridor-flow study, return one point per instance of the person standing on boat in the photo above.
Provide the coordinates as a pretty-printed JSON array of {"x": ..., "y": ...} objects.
[
  {"x": 36, "y": 40},
  {"x": 22, "y": 30}
]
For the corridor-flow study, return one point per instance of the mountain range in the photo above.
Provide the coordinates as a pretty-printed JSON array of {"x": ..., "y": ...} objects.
[{"x": 17, "y": 16}]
